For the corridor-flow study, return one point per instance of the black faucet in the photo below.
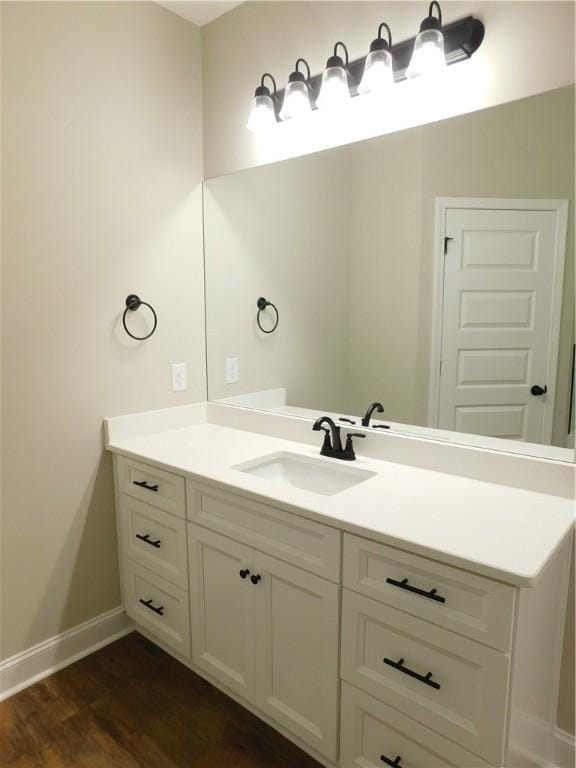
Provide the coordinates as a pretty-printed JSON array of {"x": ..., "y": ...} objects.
[
  {"x": 332, "y": 445},
  {"x": 378, "y": 407}
]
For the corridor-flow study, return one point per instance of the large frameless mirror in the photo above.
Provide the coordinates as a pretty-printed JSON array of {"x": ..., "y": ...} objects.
[{"x": 430, "y": 271}]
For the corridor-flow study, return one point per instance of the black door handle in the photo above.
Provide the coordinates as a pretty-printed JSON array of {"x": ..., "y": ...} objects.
[
  {"x": 393, "y": 763},
  {"x": 431, "y": 595},
  {"x": 538, "y": 391},
  {"x": 244, "y": 572},
  {"x": 146, "y": 538},
  {"x": 255, "y": 578},
  {"x": 144, "y": 484},
  {"x": 426, "y": 679},
  {"x": 148, "y": 604}
]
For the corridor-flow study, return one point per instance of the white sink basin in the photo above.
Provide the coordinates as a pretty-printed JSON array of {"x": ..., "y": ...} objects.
[{"x": 306, "y": 473}]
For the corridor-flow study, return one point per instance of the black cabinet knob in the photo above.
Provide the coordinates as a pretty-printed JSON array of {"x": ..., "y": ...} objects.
[
  {"x": 244, "y": 572},
  {"x": 538, "y": 391},
  {"x": 255, "y": 578}
]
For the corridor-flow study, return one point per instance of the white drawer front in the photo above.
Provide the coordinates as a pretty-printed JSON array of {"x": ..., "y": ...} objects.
[
  {"x": 158, "y": 605},
  {"x": 372, "y": 733},
  {"x": 298, "y": 541},
  {"x": 151, "y": 485},
  {"x": 154, "y": 538},
  {"x": 461, "y": 688},
  {"x": 463, "y": 602}
]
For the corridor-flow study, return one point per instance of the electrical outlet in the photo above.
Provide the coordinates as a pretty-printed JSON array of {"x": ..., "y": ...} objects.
[
  {"x": 179, "y": 378},
  {"x": 232, "y": 370}
]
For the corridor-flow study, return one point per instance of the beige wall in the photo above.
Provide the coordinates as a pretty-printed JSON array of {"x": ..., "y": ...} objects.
[
  {"x": 280, "y": 232},
  {"x": 384, "y": 267},
  {"x": 101, "y": 150},
  {"x": 529, "y": 48}
]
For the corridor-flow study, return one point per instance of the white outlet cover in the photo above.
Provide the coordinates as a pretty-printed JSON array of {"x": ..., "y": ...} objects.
[
  {"x": 232, "y": 370},
  {"x": 179, "y": 377}
]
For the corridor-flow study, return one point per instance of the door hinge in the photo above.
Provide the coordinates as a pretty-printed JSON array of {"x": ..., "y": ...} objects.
[{"x": 446, "y": 241}]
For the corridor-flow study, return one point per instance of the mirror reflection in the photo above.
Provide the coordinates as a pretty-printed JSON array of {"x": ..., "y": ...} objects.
[{"x": 429, "y": 273}]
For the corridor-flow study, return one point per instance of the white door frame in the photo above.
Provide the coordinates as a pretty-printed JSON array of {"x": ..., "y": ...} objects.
[{"x": 560, "y": 208}]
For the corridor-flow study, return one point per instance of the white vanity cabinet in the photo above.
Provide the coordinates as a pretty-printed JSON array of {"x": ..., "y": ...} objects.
[
  {"x": 364, "y": 654},
  {"x": 269, "y": 632}
]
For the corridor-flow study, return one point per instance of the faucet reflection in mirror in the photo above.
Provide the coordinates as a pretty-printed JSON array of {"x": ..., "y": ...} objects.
[{"x": 427, "y": 54}]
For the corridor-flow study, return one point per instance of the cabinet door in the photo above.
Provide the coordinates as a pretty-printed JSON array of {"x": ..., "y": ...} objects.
[
  {"x": 222, "y": 609},
  {"x": 296, "y": 640}
]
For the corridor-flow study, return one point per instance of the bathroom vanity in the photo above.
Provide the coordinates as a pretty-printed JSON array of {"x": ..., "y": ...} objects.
[{"x": 375, "y": 613}]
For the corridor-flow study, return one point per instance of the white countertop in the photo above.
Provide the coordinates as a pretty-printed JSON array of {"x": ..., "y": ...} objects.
[{"x": 502, "y": 532}]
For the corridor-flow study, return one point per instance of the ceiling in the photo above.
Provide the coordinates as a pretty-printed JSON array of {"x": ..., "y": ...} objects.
[{"x": 200, "y": 12}]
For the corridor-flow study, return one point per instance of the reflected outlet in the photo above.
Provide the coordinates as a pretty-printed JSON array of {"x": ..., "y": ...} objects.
[{"x": 232, "y": 370}]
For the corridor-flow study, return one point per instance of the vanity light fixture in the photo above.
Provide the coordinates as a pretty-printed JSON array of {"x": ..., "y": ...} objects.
[
  {"x": 435, "y": 47},
  {"x": 263, "y": 112},
  {"x": 428, "y": 57},
  {"x": 297, "y": 95},
  {"x": 378, "y": 74},
  {"x": 335, "y": 91}
]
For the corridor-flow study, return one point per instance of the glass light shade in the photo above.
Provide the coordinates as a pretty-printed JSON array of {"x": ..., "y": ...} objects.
[
  {"x": 334, "y": 91},
  {"x": 262, "y": 115},
  {"x": 378, "y": 74},
  {"x": 296, "y": 101},
  {"x": 428, "y": 57}
]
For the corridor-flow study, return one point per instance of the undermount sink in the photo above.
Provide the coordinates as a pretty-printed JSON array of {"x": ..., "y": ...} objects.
[{"x": 306, "y": 473}]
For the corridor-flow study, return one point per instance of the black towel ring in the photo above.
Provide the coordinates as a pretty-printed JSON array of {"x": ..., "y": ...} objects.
[
  {"x": 262, "y": 303},
  {"x": 133, "y": 303}
]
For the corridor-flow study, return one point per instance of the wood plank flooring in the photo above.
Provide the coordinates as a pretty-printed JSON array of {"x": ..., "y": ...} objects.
[{"x": 130, "y": 705}]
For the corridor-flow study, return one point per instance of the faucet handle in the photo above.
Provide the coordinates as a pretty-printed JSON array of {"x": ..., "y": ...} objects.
[
  {"x": 348, "y": 421},
  {"x": 349, "y": 454}
]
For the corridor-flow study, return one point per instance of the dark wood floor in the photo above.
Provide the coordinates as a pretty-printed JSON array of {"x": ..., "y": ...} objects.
[{"x": 130, "y": 705}]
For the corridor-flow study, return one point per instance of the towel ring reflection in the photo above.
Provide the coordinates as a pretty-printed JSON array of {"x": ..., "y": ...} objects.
[
  {"x": 262, "y": 304},
  {"x": 133, "y": 303}
]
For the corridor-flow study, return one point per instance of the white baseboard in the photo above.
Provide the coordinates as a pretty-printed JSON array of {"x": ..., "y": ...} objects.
[
  {"x": 47, "y": 657},
  {"x": 564, "y": 749}
]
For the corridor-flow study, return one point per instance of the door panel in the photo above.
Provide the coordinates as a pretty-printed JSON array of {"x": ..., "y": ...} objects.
[
  {"x": 296, "y": 630},
  {"x": 222, "y": 624},
  {"x": 496, "y": 324}
]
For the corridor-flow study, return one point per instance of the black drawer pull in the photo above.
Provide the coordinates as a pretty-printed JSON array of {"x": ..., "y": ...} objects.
[
  {"x": 244, "y": 572},
  {"x": 146, "y": 538},
  {"x": 432, "y": 595},
  {"x": 393, "y": 763},
  {"x": 148, "y": 604},
  {"x": 426, "y": 679},
  {"x": 255, "y": 578},
  {"x": 144, "y": 484}
]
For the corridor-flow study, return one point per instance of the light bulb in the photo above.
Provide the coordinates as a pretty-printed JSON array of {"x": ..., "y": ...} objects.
[
  {"x": 428, "y": 58},
  {"x": 378, "y": 74},
  {"x": 262, "y": 116},
  {"x": 334, "y": 91},
  {"x": 296, "y": 100}
]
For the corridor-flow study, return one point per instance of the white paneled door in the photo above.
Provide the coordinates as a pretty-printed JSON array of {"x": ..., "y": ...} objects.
[{"x": 500, "y": 309}]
